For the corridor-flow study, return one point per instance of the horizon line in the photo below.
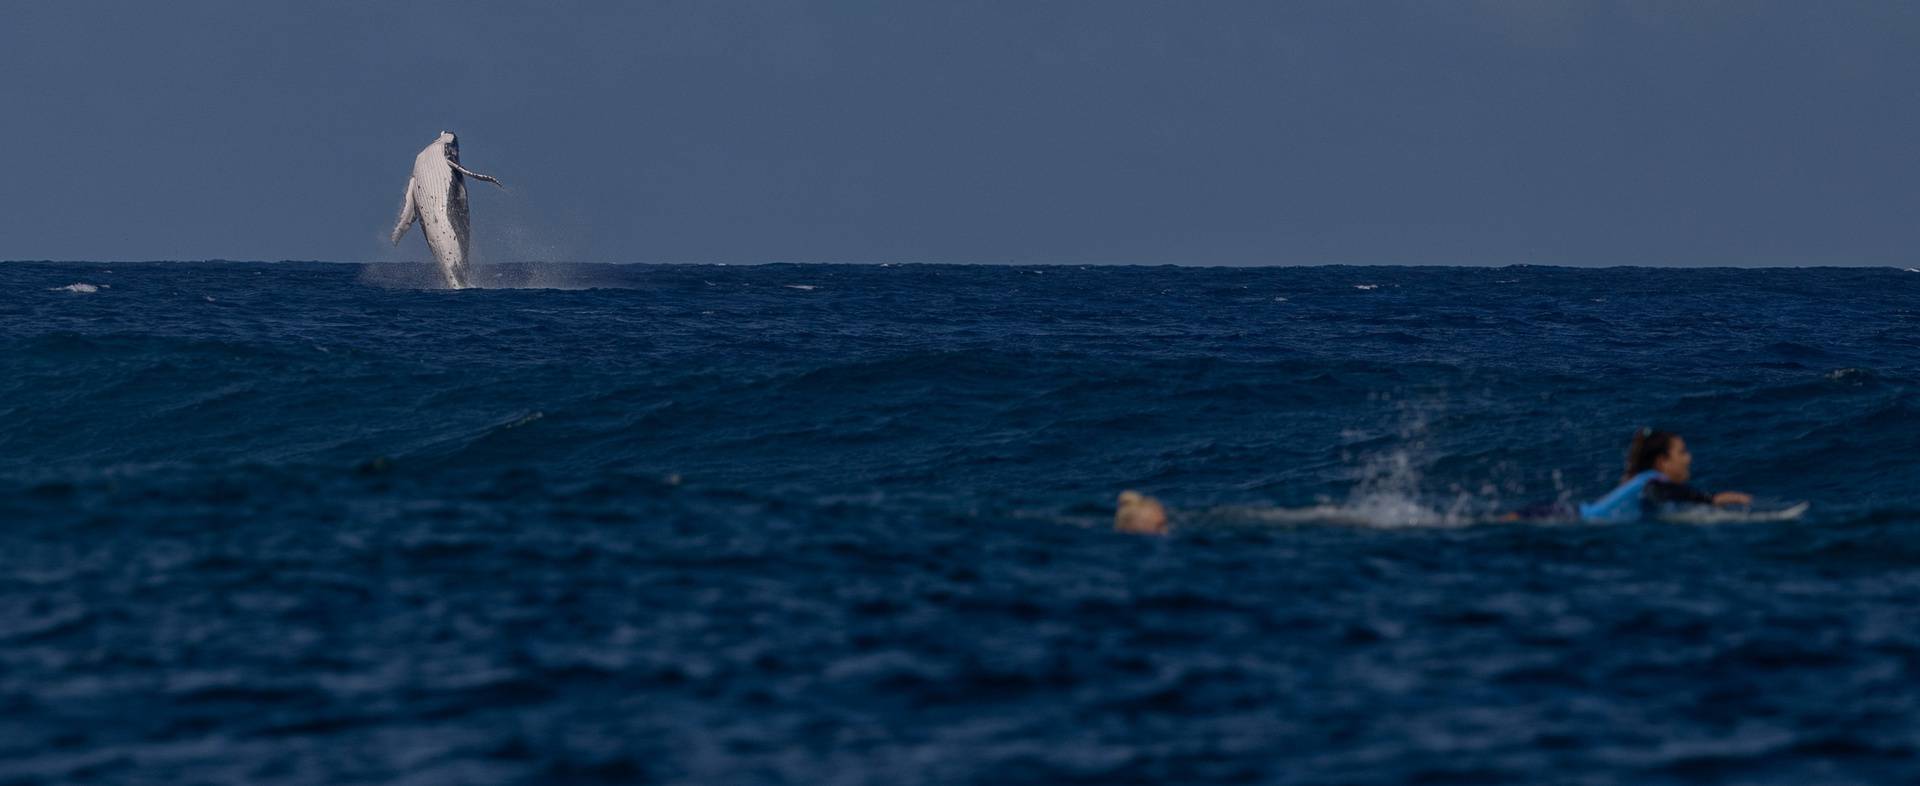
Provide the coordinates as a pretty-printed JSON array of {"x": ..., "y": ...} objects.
[{"x": 924, "y": 263}]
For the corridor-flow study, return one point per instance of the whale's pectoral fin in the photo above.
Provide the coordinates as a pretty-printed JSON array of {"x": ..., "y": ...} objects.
[
  {"x": 475, "y": 175},
  {"x": 407, "y": 215}
]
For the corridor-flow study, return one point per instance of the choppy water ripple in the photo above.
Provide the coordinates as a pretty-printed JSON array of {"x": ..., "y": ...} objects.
[{"x": 847, "y": 524}]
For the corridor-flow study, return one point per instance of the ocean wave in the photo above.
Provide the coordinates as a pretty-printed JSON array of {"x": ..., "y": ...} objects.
[{"x": 691, "y": 525}]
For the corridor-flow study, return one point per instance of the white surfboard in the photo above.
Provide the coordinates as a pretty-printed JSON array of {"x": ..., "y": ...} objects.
[{"x": 1701, "y": 514}]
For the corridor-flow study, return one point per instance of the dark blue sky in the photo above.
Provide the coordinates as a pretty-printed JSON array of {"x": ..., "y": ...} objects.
[{"x": 1213, "y": 132}]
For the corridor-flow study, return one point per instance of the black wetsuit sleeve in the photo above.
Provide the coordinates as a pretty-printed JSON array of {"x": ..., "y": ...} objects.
[{"x": 1660, "y": 492}]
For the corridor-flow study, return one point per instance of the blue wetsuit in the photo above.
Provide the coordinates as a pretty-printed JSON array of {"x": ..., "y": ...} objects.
[
  {"x": 1624, "y": 502},
  {"x": 1641, "y": 494}
]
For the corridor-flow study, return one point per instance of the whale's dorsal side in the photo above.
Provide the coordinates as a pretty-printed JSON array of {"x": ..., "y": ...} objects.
[{"x": 408, "y": 213}]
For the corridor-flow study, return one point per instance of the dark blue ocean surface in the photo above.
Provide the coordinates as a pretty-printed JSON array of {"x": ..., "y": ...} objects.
[{"x": 301, "y": 523}]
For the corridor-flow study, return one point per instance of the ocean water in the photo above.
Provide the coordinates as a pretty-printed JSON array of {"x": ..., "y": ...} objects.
[{"x": 306, "y": 523}]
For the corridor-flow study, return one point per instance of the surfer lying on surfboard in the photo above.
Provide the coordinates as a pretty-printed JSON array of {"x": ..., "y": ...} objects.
[
  {"x": 1658, "y": 468},
  {"x": 1654, "y": 486}
]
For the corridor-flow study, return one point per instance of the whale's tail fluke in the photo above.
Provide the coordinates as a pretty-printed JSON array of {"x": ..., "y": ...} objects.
[{"x": 407, "y": 215}]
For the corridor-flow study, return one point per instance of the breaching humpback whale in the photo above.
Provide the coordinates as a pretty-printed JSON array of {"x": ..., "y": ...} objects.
[{"x": 437, "y": 196}]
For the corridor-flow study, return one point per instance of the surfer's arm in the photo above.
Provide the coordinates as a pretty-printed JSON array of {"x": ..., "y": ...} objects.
[
  {"x": 407, "y": 214},
  {"x": 1662, "y": 492}
]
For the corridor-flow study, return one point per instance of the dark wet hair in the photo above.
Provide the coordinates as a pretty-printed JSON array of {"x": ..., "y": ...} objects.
[{"x": 1648, "y": 446}]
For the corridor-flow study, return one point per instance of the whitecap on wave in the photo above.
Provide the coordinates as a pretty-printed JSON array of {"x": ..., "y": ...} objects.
[{"x": 1381, "y": 512}]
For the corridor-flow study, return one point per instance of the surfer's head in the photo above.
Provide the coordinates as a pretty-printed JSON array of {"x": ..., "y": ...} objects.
[
  {"x": 1663, "y": 451},
  {"x": 1139, "y": 514}
]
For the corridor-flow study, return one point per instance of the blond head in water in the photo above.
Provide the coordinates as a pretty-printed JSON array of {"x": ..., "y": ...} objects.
[{"x": 1139, "y": 514}]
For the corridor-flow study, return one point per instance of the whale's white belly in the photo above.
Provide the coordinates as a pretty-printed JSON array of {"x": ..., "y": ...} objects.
[
  {"x": 440, "y": 194},
  {"x": 436, "y": 197}
]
